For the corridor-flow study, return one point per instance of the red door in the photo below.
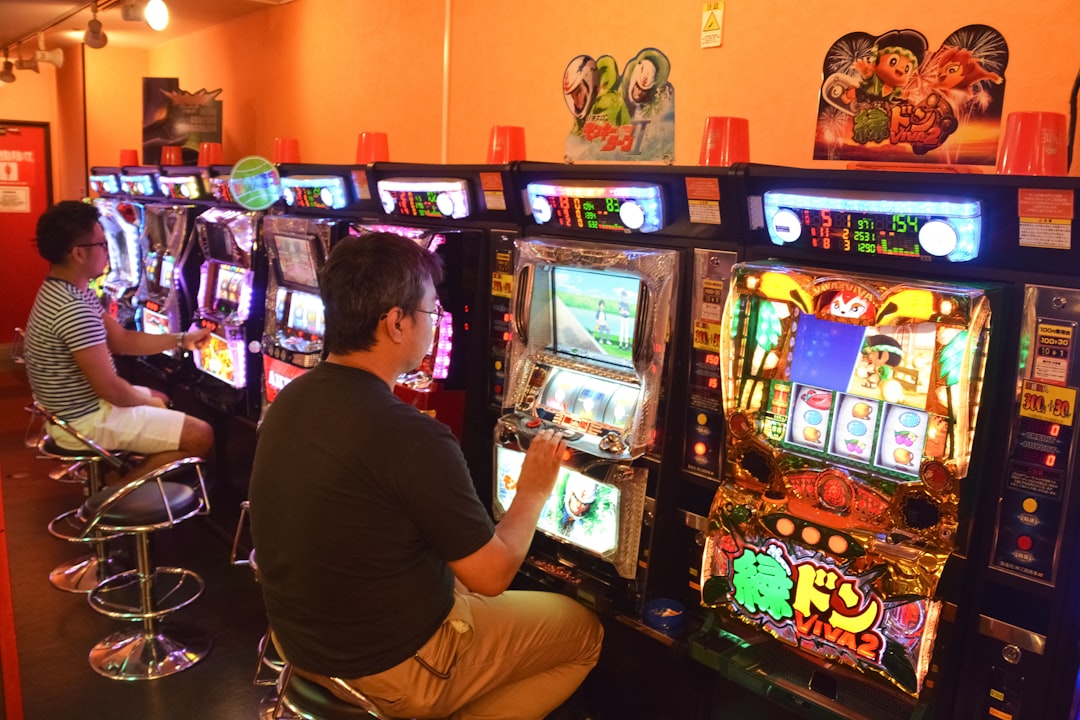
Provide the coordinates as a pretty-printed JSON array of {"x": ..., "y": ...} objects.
[{"x": 25, "y": 192}]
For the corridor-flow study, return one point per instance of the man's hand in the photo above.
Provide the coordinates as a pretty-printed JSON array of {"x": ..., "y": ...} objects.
[
  {"x": 196, "y": 337},
  {"x": 542, "y": 462}
]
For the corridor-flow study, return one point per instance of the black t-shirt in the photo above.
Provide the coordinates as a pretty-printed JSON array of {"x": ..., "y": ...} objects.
[{"x": 358, "y": 501}]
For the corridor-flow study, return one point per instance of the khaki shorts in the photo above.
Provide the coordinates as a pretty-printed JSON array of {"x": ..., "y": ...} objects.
[{"x": 143, "y": 429}]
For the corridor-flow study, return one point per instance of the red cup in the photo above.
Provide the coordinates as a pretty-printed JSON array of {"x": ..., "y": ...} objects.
[
  {"x": 286, "y": 150},
  {"x": 129, "y": 157},
  {"x": 372, "y": 147},
  {"x": 172, "y": 155},
  {"x": 209, "y": 153},
  {"x": 726, "y": 141},
  {"x": 507, "y": 144},
  {"x": 1036, "y": 143}
]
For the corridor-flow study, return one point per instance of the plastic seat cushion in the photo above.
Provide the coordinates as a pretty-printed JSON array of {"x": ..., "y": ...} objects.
[
  {"x": 52, "y": 448},
  {"x": 313, "y": 698},
  {"x": 143, "y": 506}
]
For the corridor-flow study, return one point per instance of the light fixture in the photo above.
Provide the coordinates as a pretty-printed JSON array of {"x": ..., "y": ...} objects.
[
  {"x": 8, "y": 75},
  {"x": 53, "y": 57},
  {"x": 95, "y": 36},
  {"x": 22, "y": 63},
  {"x": 157, "y": 15}
]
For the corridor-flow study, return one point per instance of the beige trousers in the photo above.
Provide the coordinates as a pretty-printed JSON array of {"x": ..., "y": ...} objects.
[{"x": 515, "y": 656}]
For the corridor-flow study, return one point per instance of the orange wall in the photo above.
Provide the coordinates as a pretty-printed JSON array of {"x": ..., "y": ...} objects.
[
  {"x": 768, "y": 69},
  {"x": 113, "y": 102},
  {"x": 322, "y": 70},
  {"x": 32, "y": 98}
]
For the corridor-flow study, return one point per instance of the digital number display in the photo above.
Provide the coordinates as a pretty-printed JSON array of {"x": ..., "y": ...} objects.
[
  {"x": 875, "y": 224},
  {"x": 425, "y": 198},
  {"x": 309, "y": 191},
  {"x": 634, "y": 207}
]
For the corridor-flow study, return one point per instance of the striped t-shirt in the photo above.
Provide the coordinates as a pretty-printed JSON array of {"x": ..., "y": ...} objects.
[{"x": 63, "y": 321}]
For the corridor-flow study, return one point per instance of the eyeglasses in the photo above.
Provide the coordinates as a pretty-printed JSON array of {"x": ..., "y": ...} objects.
[
  {"x": 97, "y": 244},
  {"x": 436, "y": 314}
]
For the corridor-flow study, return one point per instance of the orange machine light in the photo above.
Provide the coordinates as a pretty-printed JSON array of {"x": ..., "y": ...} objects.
[{"x": 700, "y": 448}]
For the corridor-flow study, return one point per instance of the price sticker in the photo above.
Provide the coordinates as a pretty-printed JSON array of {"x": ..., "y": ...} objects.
[
  {"x": 1051, "y": 403},
  {"x": 706, "y": 336}
]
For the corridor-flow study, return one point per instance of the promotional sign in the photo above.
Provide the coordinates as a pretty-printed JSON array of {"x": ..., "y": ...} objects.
[
  {"x": 627, "y": 117},
  {"x": 889, "y": 98},
  {"x": 172, "y": 116}
]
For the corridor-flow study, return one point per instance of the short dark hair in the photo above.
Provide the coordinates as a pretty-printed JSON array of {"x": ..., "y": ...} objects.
[
  {"x": 364, "y": 278},
  {"x": 62, "y": 226}
]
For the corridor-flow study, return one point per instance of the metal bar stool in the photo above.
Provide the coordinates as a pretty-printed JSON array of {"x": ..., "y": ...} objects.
[
  {"x": 149, "y": 503},
  {"x": 82, "y": 574}
]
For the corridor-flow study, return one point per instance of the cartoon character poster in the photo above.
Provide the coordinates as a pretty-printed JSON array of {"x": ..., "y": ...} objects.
[
  {"x": 890, "y": 98},
  {"x": 620, "y": 117}
]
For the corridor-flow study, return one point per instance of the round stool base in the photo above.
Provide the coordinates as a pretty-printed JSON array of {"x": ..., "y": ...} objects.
[
  {"x": 137, "y": 655},
  {"x": 85, "y": 573}
]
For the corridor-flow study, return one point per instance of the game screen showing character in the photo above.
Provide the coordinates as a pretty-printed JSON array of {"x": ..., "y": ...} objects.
[
  {"x": 851, "y": 404},
  {"x": 296, "y": 260},
  {"x": 168, "y": 265},
  {"x": 227, "y": 289},
  {"x": 217, "y": 359},
  {"x": 580, "y": 510},
  {"x": 594, "y": 314}
]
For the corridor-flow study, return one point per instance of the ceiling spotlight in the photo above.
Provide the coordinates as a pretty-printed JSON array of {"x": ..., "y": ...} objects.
[
  {"x": 9, "y": 73},
  {"x": 95, "y": 36},
  {"x": 157, "y": 15}
]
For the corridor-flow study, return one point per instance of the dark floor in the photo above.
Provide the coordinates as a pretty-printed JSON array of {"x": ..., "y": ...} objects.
[{"x": 637, "y": 677}]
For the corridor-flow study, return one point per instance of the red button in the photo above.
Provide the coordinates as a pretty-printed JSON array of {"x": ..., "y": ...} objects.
[{"x": 534, "y": 423}]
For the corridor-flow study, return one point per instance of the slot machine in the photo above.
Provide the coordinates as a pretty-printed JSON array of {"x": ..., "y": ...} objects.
[
  {"x": 165, "y": 298},
  {"x": 230, "y": 301},
  {"x": 891, "y": 535},
  {"x": 320, "y": 198},
  {"x": 123, "y": 217},
  {"x": 616, "y": 270},
  {"x": 458, "y": 212}
]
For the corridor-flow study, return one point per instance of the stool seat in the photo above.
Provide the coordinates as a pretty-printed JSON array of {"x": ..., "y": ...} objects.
[
  {"x": 314, "y": 701},
  {"x": 48, "y": 446},
  {"x": 148, "y": 593},
  {"x": 148, "y": 505}
]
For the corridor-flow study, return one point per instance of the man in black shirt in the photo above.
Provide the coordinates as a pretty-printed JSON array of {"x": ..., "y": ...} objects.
[{"x": 377, "y": 561}]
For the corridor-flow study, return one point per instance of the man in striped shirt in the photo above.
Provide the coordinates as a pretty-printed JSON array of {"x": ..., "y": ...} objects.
[{"x": 69, "y": 346}]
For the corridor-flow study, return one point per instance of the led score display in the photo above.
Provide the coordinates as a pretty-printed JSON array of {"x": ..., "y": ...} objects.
[
  {"x": 428, "y": 198},
  {"x": 624, "y": 208},
  {"x": 867, "y": 223}
]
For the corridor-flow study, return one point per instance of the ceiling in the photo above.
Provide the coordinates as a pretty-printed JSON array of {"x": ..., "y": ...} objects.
[{"x": 64, "y": 21}]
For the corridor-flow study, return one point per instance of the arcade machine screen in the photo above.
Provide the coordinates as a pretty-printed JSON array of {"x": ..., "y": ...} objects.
[
  {"x": 296, "y": 259},
  {"x": 588, "y": 342},
  {"x": 851, "y": 405},
  {"x": 123, "y": 224},
  {"x": 595, "y": 314}
]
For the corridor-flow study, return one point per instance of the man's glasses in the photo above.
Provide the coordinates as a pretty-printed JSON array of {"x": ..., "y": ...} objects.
[
  {"x": 436, "y": 314},
  {"x": 97, "y": 244}
]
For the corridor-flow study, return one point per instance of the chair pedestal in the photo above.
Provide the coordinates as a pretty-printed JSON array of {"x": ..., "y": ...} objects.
[
  {"x": 149, "y": 652},
  {"x": 85, "y": 573}
]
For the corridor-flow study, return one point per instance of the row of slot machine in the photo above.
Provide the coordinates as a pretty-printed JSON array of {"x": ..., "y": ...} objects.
[
  {"x": 183, "y": 251},
  {"x": 829, "y": 411}
]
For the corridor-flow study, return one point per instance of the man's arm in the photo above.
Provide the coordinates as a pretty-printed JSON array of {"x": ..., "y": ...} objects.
[
  {"x": 96, "y": 364},
  {"x": 491, "y": 569},
  {"x": 132, "y": 342}
]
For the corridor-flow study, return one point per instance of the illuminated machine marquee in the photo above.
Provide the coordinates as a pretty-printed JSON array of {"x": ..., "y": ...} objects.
[
  {"x": 617, "y": 207},
  {"x": 875, "y": 224},
  {"x": 105, "y": 183},
  {"x": 851, "y": 404},
  {"x": 324, "y": 192},
  {"x": 432, "y": 198},
  {"x": 141, "y": 184},
  {"x": 181, "y": 187}
]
